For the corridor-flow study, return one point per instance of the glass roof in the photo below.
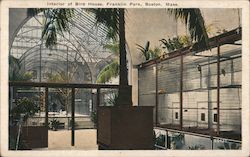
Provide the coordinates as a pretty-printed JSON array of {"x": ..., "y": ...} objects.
[{"x": 80, "y": 51}]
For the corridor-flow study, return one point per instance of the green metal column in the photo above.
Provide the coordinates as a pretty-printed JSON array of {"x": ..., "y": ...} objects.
[
  {"x": 181, "y": 92},
  {"x": 46, "y": 106},
  {"x": 73, "y": 117},
  {"x": 218, "y": 89}
]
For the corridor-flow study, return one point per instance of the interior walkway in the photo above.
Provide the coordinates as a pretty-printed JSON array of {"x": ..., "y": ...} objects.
[{"x": 85, "y": 139}]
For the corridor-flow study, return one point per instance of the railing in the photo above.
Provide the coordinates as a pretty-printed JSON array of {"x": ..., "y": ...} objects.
[
  {"x": 81, "y": 122},
  {"x": 177, "y": 139}
]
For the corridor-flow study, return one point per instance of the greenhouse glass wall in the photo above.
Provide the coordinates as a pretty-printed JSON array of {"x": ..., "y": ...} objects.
[
  {"x": 49, "y": 72},
  {"x": 78, "y": 57}
]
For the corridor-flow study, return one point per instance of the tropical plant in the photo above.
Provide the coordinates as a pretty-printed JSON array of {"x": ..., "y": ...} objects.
[
  {"x": 93, "y": 117},
  {"x": 155, "y": 52},
  {"x": 14, "y": 71},
  {"x": 228, "y": 145},
  {"x": 22, "y": 145},
  {"x": 144, "y": 50},
  {"x": 111, "y": 99},
  {"x": 13, "y": 67},
  {"x": 24, "y": 108},
  {"x": 111, "y": 70},
  {"x": 160, "y": 140},
  {"x": 194, "y": 21},
  {"x": 149, "y": 53},
  {"x": 108, "y": 72},
  {"x": 56, "y": 21},
  {"x": 113, "y": 18},
  {"x": 176, "y": 43},
  {"x": 196, "y": 147},
  {"x": 177, "y": 141},
  {"x": 19, "y": 114},
  {"x": 54, "y": 124}
]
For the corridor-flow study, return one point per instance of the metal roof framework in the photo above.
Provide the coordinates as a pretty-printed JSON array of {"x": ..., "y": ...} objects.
[{"x": 81, "y": 45}]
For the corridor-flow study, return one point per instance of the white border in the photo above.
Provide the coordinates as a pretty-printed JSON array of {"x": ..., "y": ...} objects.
[{"x": 244, "y": 4}]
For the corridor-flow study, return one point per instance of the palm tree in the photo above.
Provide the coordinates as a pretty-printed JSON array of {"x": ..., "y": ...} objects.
[
  {"x": 114, "y": 19},
  {"x": 111, "y": 70}
]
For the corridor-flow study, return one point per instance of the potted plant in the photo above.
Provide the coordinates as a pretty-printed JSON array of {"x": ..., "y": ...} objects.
[
  {"x": 93, "y": 117},
  {"x": 24, "y": 108},
  {"x": 19, "y": 115},
  {"x": 54, "y": 124}
]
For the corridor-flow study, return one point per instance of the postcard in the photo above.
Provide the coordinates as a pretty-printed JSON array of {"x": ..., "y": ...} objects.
[{"x": 124, "y": 78}]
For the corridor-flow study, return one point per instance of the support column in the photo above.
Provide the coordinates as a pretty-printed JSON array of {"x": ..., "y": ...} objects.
[
  {"x": 73, "y": 117},
  {"x": 218, "y": 89},
  {"x": 181, "y": 92},
  {"x": 40, "y": 63},
  {"x": 97, "y": 117},
  {"x": 209, "y": 98},
  {"x": 125, "y": 91},
  {"x": 67, "y": 64},
  {"x": 11, "y": 96},
  {"x": 46, "y": 107},
  {"x": 167, "y": 140},
  {"x": 98, "y": 98},
  {"x": 212, "y": 142},
  {"x": 156, "y": 94},
  {"x": 97, "y": 107}
]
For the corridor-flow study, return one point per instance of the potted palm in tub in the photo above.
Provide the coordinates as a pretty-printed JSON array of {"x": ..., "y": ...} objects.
[{"x": 21, "y": 130}]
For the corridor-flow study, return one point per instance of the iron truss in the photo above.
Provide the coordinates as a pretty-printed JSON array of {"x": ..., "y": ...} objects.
[{"x": 81, "y": 47}]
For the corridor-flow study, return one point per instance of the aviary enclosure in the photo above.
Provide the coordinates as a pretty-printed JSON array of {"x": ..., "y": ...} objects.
[{"x": 196, "y": 91}]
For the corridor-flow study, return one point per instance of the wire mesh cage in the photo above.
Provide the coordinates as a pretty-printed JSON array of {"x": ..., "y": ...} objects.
[{"x": 195, "y": 91}]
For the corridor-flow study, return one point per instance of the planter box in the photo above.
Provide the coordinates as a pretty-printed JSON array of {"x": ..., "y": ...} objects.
[
  {"x": 34, "y": 136},
  {"x": 125, "y": 127}
]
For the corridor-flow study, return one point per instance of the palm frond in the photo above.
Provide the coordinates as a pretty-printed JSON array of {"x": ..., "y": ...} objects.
[
  {"x": 14, "y": 62},
  {"x": 195, "y": 23},
  {"x": 20, "y": 77},
  {"x": 57, "y": 20},
  {"x": 34, "y": 11},
  {"x": 175, "y": 43},
  {"x": 149, "y": 53},
  {"x": 147, "y": 46},
  {"x": 114, "y": 48},
  {"x": 14, "y": 70},
  {"x": 144, "y": 50},
  {"x": 108, "y": 17},
  {"x": 111, "y": 34},
  {"x": 108, "y": 72}
]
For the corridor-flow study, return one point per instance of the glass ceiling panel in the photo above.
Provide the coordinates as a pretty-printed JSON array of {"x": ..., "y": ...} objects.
[{"x": 76, "y": 50}]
